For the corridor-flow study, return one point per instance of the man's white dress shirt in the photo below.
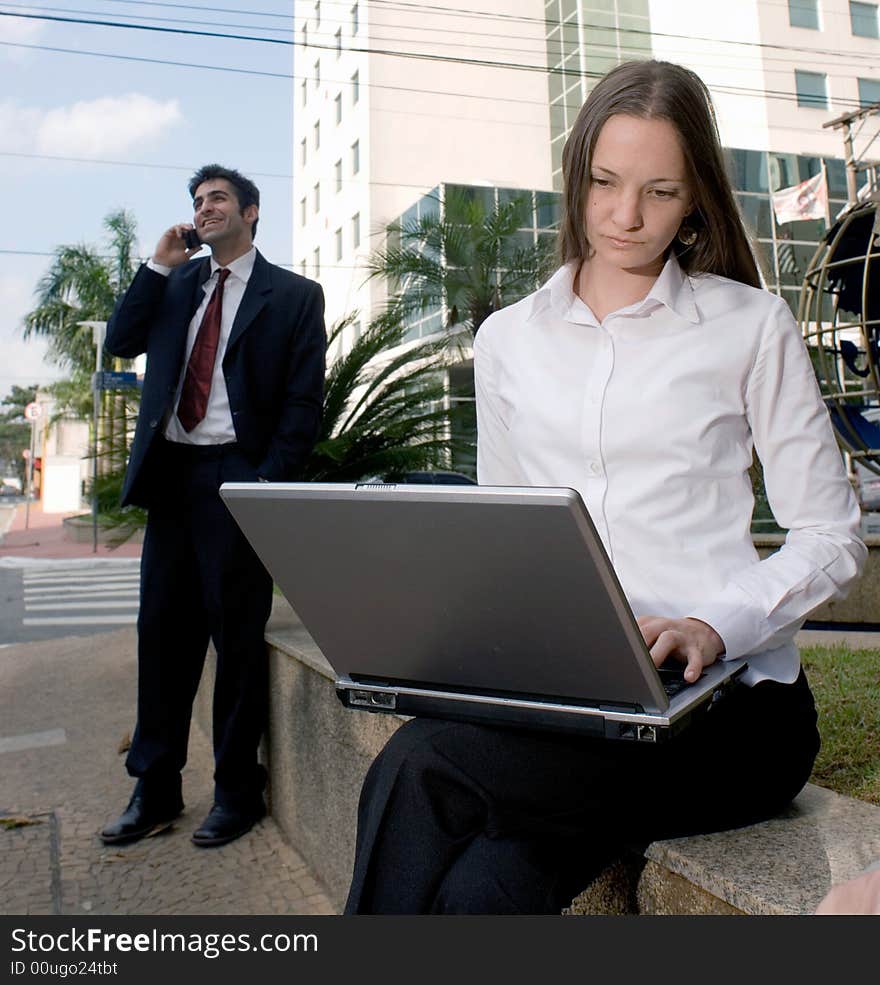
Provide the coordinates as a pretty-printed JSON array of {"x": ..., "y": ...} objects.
[
  {"x": 216, "y": 427},
  {"x": 651, "y": 415}
]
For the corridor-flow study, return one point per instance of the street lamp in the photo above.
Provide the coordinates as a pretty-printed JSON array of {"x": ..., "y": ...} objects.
[{"x": 99, "y": 331}]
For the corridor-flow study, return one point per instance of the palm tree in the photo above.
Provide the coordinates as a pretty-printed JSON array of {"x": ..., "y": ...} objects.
[
  {"x": 82, "y": 285},
  {"x": 469, "y": 259},
  {"x": 384, "y": 415}
]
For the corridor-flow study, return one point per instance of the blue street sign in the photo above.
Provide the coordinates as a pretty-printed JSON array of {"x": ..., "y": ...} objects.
[{"x": 114, "y": 381}]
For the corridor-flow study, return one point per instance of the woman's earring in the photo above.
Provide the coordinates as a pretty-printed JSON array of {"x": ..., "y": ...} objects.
[{"x": 687, "y": 235}]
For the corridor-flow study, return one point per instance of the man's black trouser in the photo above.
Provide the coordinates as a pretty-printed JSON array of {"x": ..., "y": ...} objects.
[
  {"x": 200, "y": 581},
  {"x": 458, "y": 818}
]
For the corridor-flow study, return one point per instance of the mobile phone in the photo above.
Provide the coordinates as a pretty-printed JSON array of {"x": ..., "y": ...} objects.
[{"x": 191, "y": 238}]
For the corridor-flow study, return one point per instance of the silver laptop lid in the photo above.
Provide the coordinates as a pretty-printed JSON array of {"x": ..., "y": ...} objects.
[{"x": 493, "y": 589}]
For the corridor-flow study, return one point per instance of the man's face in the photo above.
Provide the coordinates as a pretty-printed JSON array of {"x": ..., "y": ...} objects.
[{"x": 217, "y": 216}]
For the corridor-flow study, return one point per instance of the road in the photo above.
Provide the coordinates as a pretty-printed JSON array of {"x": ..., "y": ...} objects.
[{"x": 43, "y": 599}]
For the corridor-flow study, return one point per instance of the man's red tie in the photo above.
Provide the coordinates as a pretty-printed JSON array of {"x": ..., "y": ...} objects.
[{"x": 193, "y": 403}]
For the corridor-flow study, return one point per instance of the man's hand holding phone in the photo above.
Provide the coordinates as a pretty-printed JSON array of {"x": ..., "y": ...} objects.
[{"x": 177, "y": 245}]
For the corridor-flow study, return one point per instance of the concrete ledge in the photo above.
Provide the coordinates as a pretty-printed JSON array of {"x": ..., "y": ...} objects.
[
  {"x": 78, "y": 529},
  {"x": 318, "y": 753}
]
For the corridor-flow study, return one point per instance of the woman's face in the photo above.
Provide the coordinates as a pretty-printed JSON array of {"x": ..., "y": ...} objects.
[{"x": 638, "y": 193}]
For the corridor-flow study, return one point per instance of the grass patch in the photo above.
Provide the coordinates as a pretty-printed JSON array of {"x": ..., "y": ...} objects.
[{"x": 846, "y": 685}]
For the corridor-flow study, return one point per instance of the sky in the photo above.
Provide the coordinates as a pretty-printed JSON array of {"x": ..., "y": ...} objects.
[{"x": 153, "y": 124}]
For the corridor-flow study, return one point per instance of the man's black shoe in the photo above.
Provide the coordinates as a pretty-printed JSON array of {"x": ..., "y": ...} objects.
[
  {"x": 141, "y": 818},
  {"x": 225, "y": 824}
]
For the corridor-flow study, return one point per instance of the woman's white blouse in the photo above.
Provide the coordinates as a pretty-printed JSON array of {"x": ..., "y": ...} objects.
[{"x": 651, "y": 415}]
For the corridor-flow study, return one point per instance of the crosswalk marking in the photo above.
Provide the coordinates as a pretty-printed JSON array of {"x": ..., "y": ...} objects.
[
  {"x": 52, "y": 593},
  {"x": 77, "y": 593},
  {"x": 126, "y": 620},
  {"x": 80, "y": 605}
]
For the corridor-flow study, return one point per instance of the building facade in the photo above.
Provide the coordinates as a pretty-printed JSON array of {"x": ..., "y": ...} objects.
[{"x": 396, "y": 101}]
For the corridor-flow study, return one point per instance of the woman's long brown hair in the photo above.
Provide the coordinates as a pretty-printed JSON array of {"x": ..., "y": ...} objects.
[{"x": 661, "y": 90}]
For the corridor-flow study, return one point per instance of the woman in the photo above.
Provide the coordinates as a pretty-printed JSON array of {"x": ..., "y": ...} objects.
[{"x": 643, "y": 374}]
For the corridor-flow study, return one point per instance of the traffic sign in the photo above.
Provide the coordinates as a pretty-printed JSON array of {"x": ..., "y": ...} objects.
[
  {"x": 33, "y": 411},
  {"x": 108, "y": 380}
]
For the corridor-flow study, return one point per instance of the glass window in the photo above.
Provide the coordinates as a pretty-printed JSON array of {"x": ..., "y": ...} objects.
[
  {"x": 316, "y": 256},
  {"x": 784, "y": 171},
  {"x": 339, "y": 243},
  {"x": 812, "y": 89},
  {"x": 338, "y": 172},
  {"x": 355, "y": 87},
  {"x": 356, "y": 230},
  {"x": 748, "y": 170},
  {"x": 318, "y": 13},
  {"x": 355, "y": 157},
  {"x": 303, "y": 267},
  {"x": 793, "y": 260},
  {"x": 836, "y": 171},
  {"x": 547, "y": 204},
  {"x": 338, "y": 103},
  {"x": 305, "y": 35},
  {"x": 317, "y": 73},
  {"x": 804, "y": 13},
  {"x": 554, "y": 47},
  {"x": 555, "y": 85},
  {"x": 304, "y": 89},
  {"x": 569, "y": 38},
  {"x": 429, "y": 205},
  {"x": 317, "y": 134},
  {"x": 338, "y": 38},
  {"x": 354, "y": 19},
  {"x": 316, "y": 197},
  {"x": 863, "y": 18},
  {"x": 869, "y": 91},
  {"x": 302, "y": 211},
  {"x": 303, "y": 151},
  {"x": 755, "y": 211}
]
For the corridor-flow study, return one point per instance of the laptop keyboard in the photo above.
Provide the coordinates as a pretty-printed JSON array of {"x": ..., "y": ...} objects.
[{"x": 673, "y": 680}]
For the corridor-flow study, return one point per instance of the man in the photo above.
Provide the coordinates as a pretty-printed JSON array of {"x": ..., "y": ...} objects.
[{"x": 233, "y": 392}]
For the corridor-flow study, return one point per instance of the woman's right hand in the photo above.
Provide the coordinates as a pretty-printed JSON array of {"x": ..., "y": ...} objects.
[{"x": 689, "y": 641}]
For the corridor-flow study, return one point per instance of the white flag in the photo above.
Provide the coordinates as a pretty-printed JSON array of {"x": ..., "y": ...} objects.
[{"x": 808, "y": 200}]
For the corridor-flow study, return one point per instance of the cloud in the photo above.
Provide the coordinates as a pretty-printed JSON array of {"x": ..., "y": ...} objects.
[
  {"x": 19, "y": 29},
  {"x": 111, "y": 125}
]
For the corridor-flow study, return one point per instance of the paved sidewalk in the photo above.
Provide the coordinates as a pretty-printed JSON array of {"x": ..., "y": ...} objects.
[
  {"x": 45, "y": 536},
  {"x": 65, "y": 708}
]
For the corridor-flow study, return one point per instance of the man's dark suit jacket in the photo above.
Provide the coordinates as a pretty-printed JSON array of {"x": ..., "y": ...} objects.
[{"x": 274, "y": 365}]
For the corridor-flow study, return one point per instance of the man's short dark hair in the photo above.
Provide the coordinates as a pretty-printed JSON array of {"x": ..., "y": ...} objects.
[{"x": 246, "y": 191}]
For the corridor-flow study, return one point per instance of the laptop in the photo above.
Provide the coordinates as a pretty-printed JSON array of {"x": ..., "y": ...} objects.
[{"x": 487, "y": 604}]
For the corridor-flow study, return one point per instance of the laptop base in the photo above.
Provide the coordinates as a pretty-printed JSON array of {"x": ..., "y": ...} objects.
[{"x": 601, "y": 722}]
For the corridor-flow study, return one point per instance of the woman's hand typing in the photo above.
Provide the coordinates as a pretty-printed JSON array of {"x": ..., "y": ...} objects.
[{"x": 689, "y": 641}]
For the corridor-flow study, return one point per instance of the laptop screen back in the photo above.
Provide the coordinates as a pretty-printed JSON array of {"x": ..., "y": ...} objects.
[{"x": 478, "y": 588}]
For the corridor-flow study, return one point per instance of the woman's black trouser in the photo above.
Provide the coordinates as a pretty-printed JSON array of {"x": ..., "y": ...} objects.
[{"x": 458, "y": 818}]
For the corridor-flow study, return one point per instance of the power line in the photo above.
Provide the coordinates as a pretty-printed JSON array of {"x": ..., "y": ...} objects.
[
  {"x": 212, "y": 8},
  {"x": 170, "y": 20},
  {"x": 427, "y": 56},
  {"x": 151, "y": 61}
]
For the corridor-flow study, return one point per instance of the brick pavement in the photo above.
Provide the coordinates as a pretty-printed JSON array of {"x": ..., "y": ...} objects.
[
  {"x": 63, "y": 793},
  {"x": 45, "y": 536}
]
